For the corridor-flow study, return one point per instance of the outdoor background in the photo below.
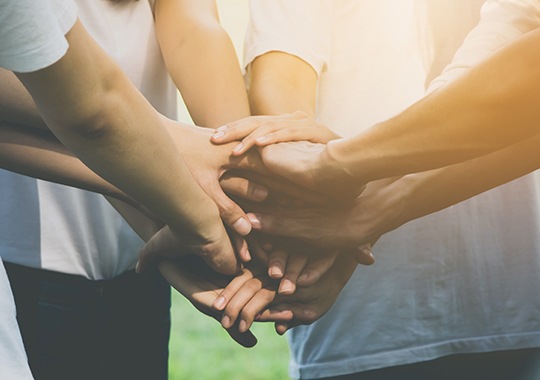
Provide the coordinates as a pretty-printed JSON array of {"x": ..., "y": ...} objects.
[{"x": 200, "y": 349}]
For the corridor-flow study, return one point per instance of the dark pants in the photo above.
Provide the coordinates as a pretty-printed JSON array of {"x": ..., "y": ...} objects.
[
  {"x": 74, "y": 328},
  {"x": 498, "y": 365}
]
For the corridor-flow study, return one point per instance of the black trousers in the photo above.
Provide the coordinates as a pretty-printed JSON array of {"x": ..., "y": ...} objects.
[{"x": 75, "y": 328}]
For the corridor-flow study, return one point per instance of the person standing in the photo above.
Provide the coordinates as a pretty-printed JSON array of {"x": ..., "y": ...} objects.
[{"x": 453, "y": 293}]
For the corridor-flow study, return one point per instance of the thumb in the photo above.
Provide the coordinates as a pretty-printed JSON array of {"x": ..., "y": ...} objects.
[
  {"x": 158, "y": 245},
  {"x": 363, "y": 255},
  {"x": 232, "y": 215}
]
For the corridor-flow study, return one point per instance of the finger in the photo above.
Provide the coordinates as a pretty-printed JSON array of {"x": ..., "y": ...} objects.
[
  {"x": 281, "y": 327},
  {"x": 295, "y": 264},
  {"x": 303, "y": 131},
  {"x": 245, "y": 339},
  {"x": 249, "y": 141},
  {"x": 241, "y": 247},
  {"x": 230, "y": 212},
  {"x": 275, "y": 185},
  {"x": 238, "y": 301},
  {"x": 270, "y": 224},
  {"x": 160, "y": 243},
  {"x": 316, "y": 268},
  {"x": 259, "y": 253},
  {"x": 273, "y": 315},
  {"x": 363, "y": 255},
  {"x": 282, "y": 135},
  {"x": 219, "y": 254},
  {"x": 231, "y": 289},
  {"x": 243, "y": 188},
  {"x": 255, "y": 306},
  {"x": 235, "y": 131},
  {"x": 277, "y": 260}
]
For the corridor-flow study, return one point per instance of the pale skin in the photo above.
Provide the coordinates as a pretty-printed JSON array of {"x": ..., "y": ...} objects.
[
  {"x": 465, "y": 119},
  {"x": 199, "y": 22},
  {"x": 34, "y": 153},
  {"x": 96, "y": 112},
  {"x": 284, "y": 83}
]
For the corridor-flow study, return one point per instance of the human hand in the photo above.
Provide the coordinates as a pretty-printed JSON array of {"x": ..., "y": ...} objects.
[
  {"x": 376, "y": 211},
  {"x": 311, "y": 303},
  {"x": 266, "y": 130},
  {"x": 292, "y": 262},
  {"x": 252, "y": 281},
  {"x": 314, "y": 167},
  {"x": 201, "y": 287},
  {"x": 216, "y": 250},
  {"x": 207, "y": 163},
  {"x": 257, "y": 300}
]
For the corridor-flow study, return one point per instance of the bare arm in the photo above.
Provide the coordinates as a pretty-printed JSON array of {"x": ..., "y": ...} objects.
[
  {"x": 282, "y": 83},
  {"x": 201, "y": 60},
  {"x": 97, "y": 113},
  {"x": 16, "y": 104},
  {"x": 467, "y": 118},
  {"x": 39, "y": 154}
]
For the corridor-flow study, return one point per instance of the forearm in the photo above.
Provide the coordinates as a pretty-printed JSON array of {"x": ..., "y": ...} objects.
[
  {"x": 116, "y": 132},
  {"x": 424, "y": 193},
  {"x": 16, "y": 104},
  {"x": 39, "y": 154},
  {"x": 201, "y": 60},
  {"x": 468, "y": 118}
]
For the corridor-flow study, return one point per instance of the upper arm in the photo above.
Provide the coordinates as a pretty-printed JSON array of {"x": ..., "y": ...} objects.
[
  {"x": 177, "y": 20},
  {"x": 288, "y": 45},
  {"x": 282, "y": 83}
]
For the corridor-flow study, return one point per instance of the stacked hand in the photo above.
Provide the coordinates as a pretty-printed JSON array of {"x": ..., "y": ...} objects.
[{"x": 303, "y": 248}]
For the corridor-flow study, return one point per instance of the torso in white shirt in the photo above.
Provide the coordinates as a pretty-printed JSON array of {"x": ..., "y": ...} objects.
[
  {"x": 462, "y": 280},
  {"x": 54, "y": 227}
]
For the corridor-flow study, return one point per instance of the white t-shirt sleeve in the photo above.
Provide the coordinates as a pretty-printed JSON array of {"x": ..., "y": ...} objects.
[
  {"x": 32, "y": 32},
  {"x": 298, "y": 27},
  {"x": 502, "y": 21}
]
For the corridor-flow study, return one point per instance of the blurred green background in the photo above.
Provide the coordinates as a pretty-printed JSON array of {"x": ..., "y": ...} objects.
[{"x": 201, "y": 350}]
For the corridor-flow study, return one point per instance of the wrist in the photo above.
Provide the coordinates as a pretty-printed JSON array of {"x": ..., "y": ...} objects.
[{"x": 336, "y": 165}]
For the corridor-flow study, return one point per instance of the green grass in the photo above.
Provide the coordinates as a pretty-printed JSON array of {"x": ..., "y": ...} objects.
[{"x": 200, "y": 349}]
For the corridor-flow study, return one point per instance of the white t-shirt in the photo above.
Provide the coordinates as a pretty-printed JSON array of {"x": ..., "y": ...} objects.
[
  {"x": 54, "y": 227},
  {"x": 31, "y": 37},
  {"x": 13, "y": 362},
  {"x": 462, "y": 280},
  {"x": 32, "y": 32}
]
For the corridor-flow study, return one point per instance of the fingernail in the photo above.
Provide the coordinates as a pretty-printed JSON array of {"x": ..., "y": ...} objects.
[
  {"x": 242, "y": 226},
  {"x": 275, "y": 272},
  {"x": 242, "y": 326},
  {"x": 258, "y": 316},
  {"x": 223, "y": 129},
  {"x": 286, "y": 286},
  {"x": 238, "y": 148},
  {"x": 247, "y": 256},
  {"x": 226, "y": 321},
  {"x": 218, "y": 135},
  {"x": 261, "y": 139},
  {"x": 260, "y": 193},
  {"x": 254, "y": 220},
  {"x": 219, "y": 303}
]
